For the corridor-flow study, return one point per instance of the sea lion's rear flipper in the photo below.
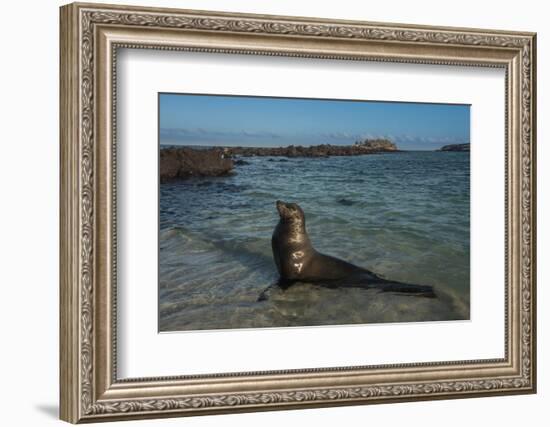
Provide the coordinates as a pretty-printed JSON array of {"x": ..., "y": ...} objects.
[
  {"x": 407, "y": 288},
  {"x": 368, "y": 280}
]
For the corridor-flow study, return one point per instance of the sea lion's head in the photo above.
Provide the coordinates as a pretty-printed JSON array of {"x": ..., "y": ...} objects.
[{"x": 290, "y": 212}]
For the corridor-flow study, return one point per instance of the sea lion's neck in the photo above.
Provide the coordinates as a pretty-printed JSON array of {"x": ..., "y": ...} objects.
[{"x": 295, "y": 231}]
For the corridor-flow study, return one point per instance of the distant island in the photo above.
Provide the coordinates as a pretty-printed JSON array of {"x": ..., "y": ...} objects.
[
  {"x": 455, "y": 147},
  {"x": 185, "y": 162}
]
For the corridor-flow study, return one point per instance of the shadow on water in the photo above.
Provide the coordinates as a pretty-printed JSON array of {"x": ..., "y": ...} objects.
[{"x": 238, "y": 251}]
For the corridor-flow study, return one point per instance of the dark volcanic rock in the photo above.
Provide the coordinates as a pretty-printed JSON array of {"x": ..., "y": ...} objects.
[
  {"x": 183, "y": 162},
  {"x": 346, "y": 202},
  {"x": 240, "y": 162},
  {"x": 455, "y": 147},
  {"x": 323, "y": 150}
]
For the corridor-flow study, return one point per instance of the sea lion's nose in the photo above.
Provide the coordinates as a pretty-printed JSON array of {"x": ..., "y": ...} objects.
[{"x": 280, "y": 207}]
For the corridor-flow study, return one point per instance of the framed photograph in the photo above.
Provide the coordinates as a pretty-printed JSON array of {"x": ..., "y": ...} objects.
[{"x": 267, "y": 212}]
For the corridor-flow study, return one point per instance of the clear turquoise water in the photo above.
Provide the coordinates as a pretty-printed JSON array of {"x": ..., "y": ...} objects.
[{"x": 402, "y": 215}]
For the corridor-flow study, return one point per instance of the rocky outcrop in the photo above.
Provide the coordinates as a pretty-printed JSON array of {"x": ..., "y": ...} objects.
[
  {"x": 184, "y": 162},
  {"x": 323, "y": 150},
  {"x": 455, "y": 147},
  {"x": 376, "y": 145}
]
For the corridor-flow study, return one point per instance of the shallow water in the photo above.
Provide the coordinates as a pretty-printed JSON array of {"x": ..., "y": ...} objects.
[{"x": 404, "y": 216}]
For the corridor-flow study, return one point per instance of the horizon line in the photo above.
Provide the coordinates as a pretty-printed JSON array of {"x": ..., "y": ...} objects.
[{"x": 296, "y": 145}]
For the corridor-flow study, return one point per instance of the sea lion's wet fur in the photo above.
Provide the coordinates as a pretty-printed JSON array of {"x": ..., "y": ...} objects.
[{"x": 298, "y": 261}]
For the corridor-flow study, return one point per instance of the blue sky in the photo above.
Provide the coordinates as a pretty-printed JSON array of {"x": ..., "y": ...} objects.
[{"x": 187, "y": 119}]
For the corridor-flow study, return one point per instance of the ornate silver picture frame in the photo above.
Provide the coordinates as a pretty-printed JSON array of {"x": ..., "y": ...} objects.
[{"x": 91, "y": 390}]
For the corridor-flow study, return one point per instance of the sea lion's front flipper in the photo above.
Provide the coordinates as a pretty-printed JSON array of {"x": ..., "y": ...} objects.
[
  {"x": 281, "y": 283},
  {"x": 264, "y": 296}
]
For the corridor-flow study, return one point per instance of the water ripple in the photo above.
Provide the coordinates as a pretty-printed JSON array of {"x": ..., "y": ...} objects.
[{"x": 405, "y": 216}]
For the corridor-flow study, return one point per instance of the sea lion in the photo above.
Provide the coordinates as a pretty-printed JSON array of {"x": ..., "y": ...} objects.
[{"x": 297, "y": 260}]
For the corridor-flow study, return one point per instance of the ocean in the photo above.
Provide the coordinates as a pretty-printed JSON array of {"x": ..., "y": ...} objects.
[{"x": 405, "y": 216}]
